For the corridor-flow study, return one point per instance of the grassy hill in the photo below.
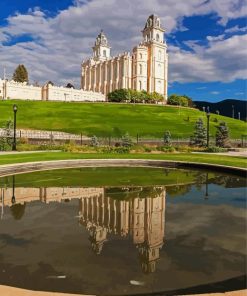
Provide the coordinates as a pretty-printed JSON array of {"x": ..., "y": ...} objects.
[{"x": 104, "y": 119}]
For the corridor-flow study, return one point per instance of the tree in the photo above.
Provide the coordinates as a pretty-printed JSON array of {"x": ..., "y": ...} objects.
[
  {"x": 200, "y": 134},
  {"x": 20, "y": 74},
  {"x": 167, "y": 138},
  {"x": 119, "y": 95},
  {"x": 6, "y": 140},
  {"x": 94, "y": 141},
  {"x": 190, "y": 101},
  {"x": 178, "y": 100},
  {"x": 222, "y": 135},
  {"x": 126, "y": 141},
  {"x": 69, "y": 85}
]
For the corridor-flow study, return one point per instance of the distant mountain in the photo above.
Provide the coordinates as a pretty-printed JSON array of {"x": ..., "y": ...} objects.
[{"x": 225, "y": 107}]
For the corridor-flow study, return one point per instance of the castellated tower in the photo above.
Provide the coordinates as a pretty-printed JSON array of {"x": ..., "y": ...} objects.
[{"x": 146, "y": 68}]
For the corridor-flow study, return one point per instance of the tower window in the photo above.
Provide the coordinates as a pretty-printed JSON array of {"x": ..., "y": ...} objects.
[
  {"x": 140, "y": 69},
  {"x": 159, "y": 55},
  {"x": 140, "y": 55},
  {"x": 140, "y": 85},
  {"x": 104, "y": 53},
  {"x": 157, "y": 37}
]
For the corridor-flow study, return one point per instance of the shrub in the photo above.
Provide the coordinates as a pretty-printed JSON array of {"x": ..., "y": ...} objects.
[
  {"x": 94, "y": 141},
  {"x": 23, "y": 140},
  {"x": 166, "y": 148},
  {"x": 147, "y": 149},
  {"x": 215, "y": 149},
  {"x": 167, "y": 138},
  {"x": 178, "y": 100},
  {"x": 134, "y": 96},
  {"x": 126, "y": 141}
]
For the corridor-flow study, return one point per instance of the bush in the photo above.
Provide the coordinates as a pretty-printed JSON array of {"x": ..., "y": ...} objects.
[
  {"x": 167, "y": 138},
  {"x": 215, "y": 149},
  {"x": 120, "y": 150},
  {"x": 134, "y": 96},
  {"x": 166, "y": 149},
  {"x": 126, "y": 141},
  {"x": 94, "y": 141},
  {"x": 147, "y": 149},
  {"x": 178, "y": 100}
]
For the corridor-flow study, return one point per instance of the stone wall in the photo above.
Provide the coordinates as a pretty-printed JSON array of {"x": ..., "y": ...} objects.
[
  {"x": 23, "y": 91},
  {"x": 56, "y": 93},
  {"x": 20, "y": 91}
]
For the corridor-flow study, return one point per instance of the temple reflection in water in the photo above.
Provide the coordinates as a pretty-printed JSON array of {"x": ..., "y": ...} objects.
[{"x": 134, "y": 212}]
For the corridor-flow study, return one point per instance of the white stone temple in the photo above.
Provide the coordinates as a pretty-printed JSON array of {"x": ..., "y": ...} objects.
[{"x": 146, "y": 68}]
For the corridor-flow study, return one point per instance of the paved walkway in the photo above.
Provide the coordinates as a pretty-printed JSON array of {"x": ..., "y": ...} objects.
[
  {"x": 26, "y": 152},
  {"x": 10, "y": 291},
  {"x": 240, "y": 153}
]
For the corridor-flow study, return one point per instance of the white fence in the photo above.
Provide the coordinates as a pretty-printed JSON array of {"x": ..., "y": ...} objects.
[{"x": 44, "y": 135}]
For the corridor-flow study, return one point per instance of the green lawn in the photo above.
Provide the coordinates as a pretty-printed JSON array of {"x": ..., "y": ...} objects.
[
  {"x": 105, "y": 119},
  {"x": 45, "y": 156}
]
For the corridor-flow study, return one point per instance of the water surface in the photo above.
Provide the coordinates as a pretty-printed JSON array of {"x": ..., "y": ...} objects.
[{"x": 123, "y": 231}]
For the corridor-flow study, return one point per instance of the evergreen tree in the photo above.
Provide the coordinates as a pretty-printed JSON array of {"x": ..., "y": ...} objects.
[
  {"x": 94, "y": 141},
  {"x": 200, "y": 134},
  {"x": 126, "y": 141},
  {"x": 7, "y": 140},
  {"x": 167, "y": 138},
  {"x": 222, "y": 135},
  {"x": 20, "y": 74}
]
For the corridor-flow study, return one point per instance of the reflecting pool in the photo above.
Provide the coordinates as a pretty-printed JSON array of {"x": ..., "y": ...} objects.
[{"x": 120, "y": 231}]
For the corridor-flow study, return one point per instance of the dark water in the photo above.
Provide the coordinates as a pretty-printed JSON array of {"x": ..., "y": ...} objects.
[{"x": 181, "y": 237}]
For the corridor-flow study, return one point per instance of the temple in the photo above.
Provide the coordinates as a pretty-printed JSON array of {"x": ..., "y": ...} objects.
[{"x": 146, "y": 68}]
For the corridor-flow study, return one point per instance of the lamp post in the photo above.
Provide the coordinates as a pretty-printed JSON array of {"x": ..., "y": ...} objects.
[
  {"x": 14, "y": 142},
  {"x": 208, "y": 116}
]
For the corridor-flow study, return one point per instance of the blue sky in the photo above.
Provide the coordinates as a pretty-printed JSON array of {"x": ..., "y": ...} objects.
[{"x": 206, "y": 40}]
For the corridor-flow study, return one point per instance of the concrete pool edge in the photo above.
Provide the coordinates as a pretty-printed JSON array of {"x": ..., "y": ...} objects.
[
  {"x": 28, "y": 167},
  {"x": 12, "y": 291}
]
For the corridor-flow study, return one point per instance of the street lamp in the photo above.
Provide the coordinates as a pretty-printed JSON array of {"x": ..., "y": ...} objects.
[
  {"x": 208, "y": 116},
  {"x": 14, "y": 142}
]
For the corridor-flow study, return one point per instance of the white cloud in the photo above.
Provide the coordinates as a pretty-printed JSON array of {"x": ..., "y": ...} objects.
[
  {"x": 236, "y": 29},
  {"x": 202, "y": 87},
  {"x": 221, "y": 60},
  {"x": 61, "y": 42},
  {"x": 215, "y": 92}
]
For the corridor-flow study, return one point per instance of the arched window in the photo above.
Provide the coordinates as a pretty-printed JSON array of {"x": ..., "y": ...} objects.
[
  {"x": 157, "y": 37},
  {"x": 104, "y": 53},
  {"x": 159, "y": 69},
  {"x": 140, "y": 69},
  {"x": 159, "y": 55},
  {"x": 140, "y": 85},
  {"x": 159, "y": 86},
  {"x": 140, "y": 56}
]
